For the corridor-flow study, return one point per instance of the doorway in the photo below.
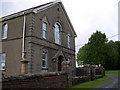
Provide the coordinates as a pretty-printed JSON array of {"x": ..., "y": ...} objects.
[{"x": 60, "y": 59}]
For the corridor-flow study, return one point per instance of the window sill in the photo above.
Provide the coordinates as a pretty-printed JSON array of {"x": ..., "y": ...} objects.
[
  {"x": 58, "y": 44},
  {"x": 44, "y": 38},
  {"x": 44, "y": 69},
  {"x": 3, "y": 70},
  {"x": 3, "y": 38}
]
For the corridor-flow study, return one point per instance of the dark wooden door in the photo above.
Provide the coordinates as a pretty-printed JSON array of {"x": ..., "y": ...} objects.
[
  {"x": 59, "y": 65},
  {"x": 59, "y": 62}
]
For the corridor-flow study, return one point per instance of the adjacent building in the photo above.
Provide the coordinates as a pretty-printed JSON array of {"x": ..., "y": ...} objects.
[
  {"x": 119, "y": 21},
  {"x": 37, "y": 40}
]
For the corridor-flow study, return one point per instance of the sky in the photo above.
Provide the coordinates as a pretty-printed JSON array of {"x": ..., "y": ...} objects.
[{"x": 86, "y": 16}]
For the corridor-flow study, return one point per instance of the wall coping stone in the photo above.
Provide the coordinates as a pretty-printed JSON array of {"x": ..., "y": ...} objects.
[{"x": 32, "y": 76}]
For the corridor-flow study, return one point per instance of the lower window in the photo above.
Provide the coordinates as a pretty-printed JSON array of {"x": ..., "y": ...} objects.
[
  {"x": 2, "y": 61},
  {"x": 44, "y": 60}
]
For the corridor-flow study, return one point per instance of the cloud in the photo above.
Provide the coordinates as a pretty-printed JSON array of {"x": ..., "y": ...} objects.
[
  {"x": 5, "y": 6},
  {"x": 87, "y": 16},
  {"x": 13, "y": 6},
  {"x": 98, "y": 16}
]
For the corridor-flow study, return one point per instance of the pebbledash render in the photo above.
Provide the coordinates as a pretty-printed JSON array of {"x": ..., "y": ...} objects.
[{"x": 37, "y": 40}]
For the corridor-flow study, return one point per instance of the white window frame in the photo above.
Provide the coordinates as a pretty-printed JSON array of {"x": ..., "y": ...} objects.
[
  {"x": 57, "y": 30},
  {"x": 4, "y": 31},
  {"x": 68, "y": 41},
  {"x": 3, "y": 61},
  {"x": 44, "y": 60},
  {"x": 44, "y": 28}
]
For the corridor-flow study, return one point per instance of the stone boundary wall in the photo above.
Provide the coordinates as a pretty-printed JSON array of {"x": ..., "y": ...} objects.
[
  {"x": 65, "y": 79},
  {"x": 46, "y": 80},
  {"x": 88, "y": 73}
]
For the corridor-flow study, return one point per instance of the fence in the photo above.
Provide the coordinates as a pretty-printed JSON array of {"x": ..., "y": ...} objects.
[{"x": 88, "y": 73}]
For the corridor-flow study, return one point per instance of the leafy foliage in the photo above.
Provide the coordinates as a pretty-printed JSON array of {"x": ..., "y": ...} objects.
[
  {"x": 99, "y": 51},
  {"x": 83, "y": 54},
  {"x": 111, "y": 61},
  {"x": 97, "y": 47}
]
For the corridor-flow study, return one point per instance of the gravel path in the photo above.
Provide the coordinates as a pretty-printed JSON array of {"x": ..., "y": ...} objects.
[{"x": 113, "y": 82}]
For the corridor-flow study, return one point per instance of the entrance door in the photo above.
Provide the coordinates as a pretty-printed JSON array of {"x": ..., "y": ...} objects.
[{"x": 60, "y": 59}]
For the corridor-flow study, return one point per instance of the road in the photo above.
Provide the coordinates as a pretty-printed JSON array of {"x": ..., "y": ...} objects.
[{"x": 113, "y": 82}]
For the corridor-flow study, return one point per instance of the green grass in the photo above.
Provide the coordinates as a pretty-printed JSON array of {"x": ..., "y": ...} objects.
[
  {"x": 90, "y": 84},
  {"x": 112, "y": 71}
]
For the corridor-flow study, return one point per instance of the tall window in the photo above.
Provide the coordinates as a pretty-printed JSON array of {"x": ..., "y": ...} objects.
[
  {"x": 68, "y": 41},
  {"x": 3, "y": 59},
  {"x": 44, "y": 60},
  {"x": 57, "y": 33},
  {"x": 4, "y": 31},
  {"x": 44, "y": 26}
]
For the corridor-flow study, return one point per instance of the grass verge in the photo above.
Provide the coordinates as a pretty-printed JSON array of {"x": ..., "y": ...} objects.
[
  {"x": 112, "y": 72},
  {"x": 90, "y": 84}
]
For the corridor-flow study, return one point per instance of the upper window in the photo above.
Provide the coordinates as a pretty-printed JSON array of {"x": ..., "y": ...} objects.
[
  {"x": 44, "y": 60},
  {"x": 4, "y": 31},
  {"x": 44, "y": 26},
  {"x": 57, "y": 33},
  {"x": 3, "y": 59},
  {"x": 68, "y": 41}
]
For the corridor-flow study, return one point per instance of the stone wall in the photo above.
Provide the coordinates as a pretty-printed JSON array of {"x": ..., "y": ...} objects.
[
  {"x": 65, "y": 79},
  {"x": 47, "y": 80},
  {"x": 88, "y": 73}
]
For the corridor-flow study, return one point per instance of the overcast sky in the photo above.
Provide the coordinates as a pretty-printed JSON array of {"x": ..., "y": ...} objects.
[{"x": 86, "y": 16}]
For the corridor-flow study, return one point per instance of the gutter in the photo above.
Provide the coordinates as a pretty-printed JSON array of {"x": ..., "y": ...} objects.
[{"x": 23, "y": 40}]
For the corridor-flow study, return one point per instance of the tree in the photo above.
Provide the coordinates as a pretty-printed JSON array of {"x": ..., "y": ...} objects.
[
  {"x": 97, "y": 44},
  {"x": 99, "y": 51},
  {"x": 94, "y": 51},
  {"x": 118, "y": 45},
  {"x": 82, "y": 55},
  {"x": 111, "y": 61}
]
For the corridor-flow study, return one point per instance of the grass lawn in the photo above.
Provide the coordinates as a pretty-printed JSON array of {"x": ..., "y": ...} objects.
[
  {"x": 112, "y": 71},
  {"x": 90, "y": 84}
]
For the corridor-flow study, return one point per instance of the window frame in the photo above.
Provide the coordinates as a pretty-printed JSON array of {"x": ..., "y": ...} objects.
[
  {"x": 69, "y": 41},
  {"x": 45, "y": 60},
  {"x": 3, "y": 61},
  {"x": 44, "y": 30},
  {"x": 57, "y": 33},
  {"x": 4, "y": 31}
]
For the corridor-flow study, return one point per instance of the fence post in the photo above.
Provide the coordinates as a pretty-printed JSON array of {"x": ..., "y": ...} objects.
[
  {"x": 93, "y": 72},
  {"x": 102, "y": 69},
  {"x": 87, "y": 71}
]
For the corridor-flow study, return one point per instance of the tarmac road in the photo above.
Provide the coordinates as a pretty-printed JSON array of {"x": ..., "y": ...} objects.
[{"x": 113, "y": 82}]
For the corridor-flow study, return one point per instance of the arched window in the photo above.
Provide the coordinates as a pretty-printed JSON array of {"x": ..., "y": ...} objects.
[
  {"x": 44, "y": 34},
  {"x": 4, "y": 31},
  {"x": 57, "y": 33}
]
